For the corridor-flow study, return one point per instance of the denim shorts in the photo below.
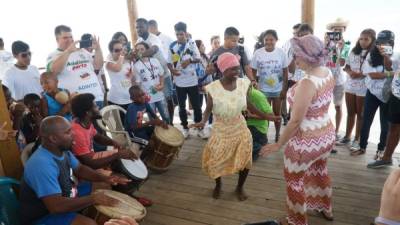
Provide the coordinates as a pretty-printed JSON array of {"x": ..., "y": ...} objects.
[{"x": 271, "y": 94}]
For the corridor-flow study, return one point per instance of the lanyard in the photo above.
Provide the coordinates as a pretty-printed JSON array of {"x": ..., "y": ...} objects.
[{"x": 151, "y": 69}]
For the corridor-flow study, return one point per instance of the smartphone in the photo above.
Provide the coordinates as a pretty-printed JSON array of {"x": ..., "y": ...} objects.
[
  {"x": 387, "y": 49},
  {"x": 85, "y": 43},
  {"x": 334, "y": 36}
]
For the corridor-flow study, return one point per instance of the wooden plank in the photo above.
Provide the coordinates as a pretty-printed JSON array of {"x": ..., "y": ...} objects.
[{"x": 183, "y": 194}]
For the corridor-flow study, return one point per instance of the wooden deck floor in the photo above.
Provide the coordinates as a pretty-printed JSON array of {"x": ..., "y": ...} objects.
[{"x": 182, "y": 196}]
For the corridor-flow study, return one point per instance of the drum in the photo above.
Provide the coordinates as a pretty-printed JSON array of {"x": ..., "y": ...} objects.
[
  {"x": 135, "y": 170},
  {"x": 127, "y": 206},
  {"x": 164, "y": 146}
]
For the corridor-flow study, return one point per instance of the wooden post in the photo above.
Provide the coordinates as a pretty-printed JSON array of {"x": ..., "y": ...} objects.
[
  {"x": 9, "y": 152},
  {"x": 133, "y": 15},
  {"x": 307, "y": 12}
]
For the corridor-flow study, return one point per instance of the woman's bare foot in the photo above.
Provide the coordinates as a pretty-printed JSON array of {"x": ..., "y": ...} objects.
[
  {"x": 217, "y": 192},
  {"x": 241, "y": 195}
]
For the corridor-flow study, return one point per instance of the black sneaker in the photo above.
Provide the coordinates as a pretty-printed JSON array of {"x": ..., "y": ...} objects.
[
  {"x": 379, "y": 163},
  {"x": 333, "y": 151},
  {"x": 343, "y": 141}
]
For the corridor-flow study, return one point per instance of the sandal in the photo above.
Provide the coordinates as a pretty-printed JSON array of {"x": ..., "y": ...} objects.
[
  {"x": 326, "y": 216},
  {"x": 358, "y": 152},
  {"x": 378, "y": 155}
]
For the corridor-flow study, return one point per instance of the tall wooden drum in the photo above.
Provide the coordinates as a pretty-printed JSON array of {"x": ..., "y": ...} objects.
[{"x": 164, "y": 146}]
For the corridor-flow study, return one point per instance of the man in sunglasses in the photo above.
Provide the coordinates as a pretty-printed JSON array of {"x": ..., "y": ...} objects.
[
  {"x": 74, "y": 65},
  {"x": 22, "y": 78}
]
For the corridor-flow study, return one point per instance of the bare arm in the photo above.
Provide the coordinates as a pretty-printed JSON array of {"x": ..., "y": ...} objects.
[
  {"x": 98, "y": 54},
  {"x": 249, "y": 73},
  {"x": 377, "y": 75},
  {"x": 254, "y": 72},
  {"x": 86, "y": 173},
  {"x": 58, "y": 64},
  {"x": 353, "y": 74},
  {"x": 208, "y": 110},
  {"x": 117, "y": 66},
  {"x": 292, "y": 67},
  {"x": 285, "y": 82},
  {"x": 60, "y": 204},
  {"x": 97, "y": 160}
]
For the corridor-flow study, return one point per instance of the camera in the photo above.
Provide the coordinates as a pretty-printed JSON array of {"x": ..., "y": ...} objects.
[
  {"x": 387, "y": 49},
  {"x": 334, "y": 36},
  {"x": 85, "y": 43}
]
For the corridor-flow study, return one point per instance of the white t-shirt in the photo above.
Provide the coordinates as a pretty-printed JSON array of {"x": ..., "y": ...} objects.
[
  {"x": 269, "y": 66},
  {"x": 396, "y": 78},
  {"x": 148, "y": 74},
  {"x": 298, "y": 73},
  {"x": 335, "y": 67},
  {"x": 120, "y": 84},
  {"x": 166, "y": 42},
  {"x": 78, "y": 74},
  {"x": 375, "y": 86},
  {"x": 153, "y": 40},
  {"x": 6, "y": 62},
  {"x": 355, "y": 86},
  {"x": 182, "y": 52},
  {"x": 22, "y": 82}
]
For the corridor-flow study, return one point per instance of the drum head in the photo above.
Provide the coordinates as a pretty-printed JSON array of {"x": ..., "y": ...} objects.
[
  {"x": 127, "y": 206},
  {"x": 171, "y": 136},
  {"x": 135, "y": 167}
]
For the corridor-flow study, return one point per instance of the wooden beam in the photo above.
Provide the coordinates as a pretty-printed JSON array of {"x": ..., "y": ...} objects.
[
  {"x": 307, "y": 12},
  {"x": 9, "y": 152},
  {"x": 133, "y": 15}
]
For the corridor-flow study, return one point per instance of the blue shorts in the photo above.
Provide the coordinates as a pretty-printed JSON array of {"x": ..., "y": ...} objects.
[
  {"x": 271, "y": 94},
  {"x": 84, "y": 189},
  {"x": 168, "y": 87},
  {"x": 57, "y": 219}
]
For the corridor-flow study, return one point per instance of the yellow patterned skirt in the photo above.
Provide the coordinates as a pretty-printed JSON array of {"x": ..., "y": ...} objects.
[{"x": 229, "y": 149}]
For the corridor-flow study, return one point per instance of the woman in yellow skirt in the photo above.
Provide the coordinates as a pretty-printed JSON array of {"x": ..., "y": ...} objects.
[{"x": 229, "y": 149}]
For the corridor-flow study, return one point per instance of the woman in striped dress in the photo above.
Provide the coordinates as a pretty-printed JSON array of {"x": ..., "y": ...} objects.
[{"x": 310, "y": 135}]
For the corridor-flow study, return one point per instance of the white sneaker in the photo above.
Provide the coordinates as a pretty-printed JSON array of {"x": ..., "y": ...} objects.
[
  {"x": 185, "y": 133},
  {"x": 204, "y": 134}
]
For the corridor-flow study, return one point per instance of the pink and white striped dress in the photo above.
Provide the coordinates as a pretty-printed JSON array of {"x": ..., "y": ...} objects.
[{"x": 305, "y": 156}]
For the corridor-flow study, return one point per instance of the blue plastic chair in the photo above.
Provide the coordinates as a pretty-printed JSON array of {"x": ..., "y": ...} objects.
[{"x": 9, "y": 204}]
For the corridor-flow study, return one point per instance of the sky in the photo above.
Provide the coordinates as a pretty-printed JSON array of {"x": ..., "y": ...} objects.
[{"x": 34, "y": 21}]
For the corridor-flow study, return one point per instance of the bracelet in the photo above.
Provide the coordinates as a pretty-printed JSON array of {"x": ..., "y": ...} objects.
[{"x": 386, "y": 221}]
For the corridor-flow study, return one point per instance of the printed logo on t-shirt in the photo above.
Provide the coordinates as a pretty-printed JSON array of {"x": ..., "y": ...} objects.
[
  {"x": 85, "y": 76},
  {"x": 87, "y": 86}
]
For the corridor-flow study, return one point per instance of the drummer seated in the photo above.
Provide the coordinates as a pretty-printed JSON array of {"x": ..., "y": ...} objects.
[
  {"x": 85, "y": 111},
  {"x": 48, "y": 195},
  {"x": 134, "y": 116}
]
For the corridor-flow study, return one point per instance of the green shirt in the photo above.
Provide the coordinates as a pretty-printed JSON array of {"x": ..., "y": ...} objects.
[{"x": 258, "y": 99}]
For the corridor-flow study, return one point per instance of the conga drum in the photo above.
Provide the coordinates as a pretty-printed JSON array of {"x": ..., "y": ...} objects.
[
  {"x": 135, "y": 170},
  {"x": 127, "y": 206},
  {"x": 164, "y": 146}
]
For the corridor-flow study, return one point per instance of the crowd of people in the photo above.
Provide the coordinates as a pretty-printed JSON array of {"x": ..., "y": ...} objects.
[{"x": 55, "y": 109}]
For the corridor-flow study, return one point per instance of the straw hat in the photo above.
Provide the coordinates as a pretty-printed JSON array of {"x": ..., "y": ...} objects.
[{"x": 339, "y": 22}]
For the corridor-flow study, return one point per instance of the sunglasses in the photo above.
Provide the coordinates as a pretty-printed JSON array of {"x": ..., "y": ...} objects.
[
  {"x": 26, "y": 54},
  {"x": 117, "y": 50}
]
